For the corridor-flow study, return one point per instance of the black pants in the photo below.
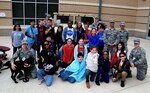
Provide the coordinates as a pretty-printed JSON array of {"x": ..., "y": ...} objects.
[
  {"x": 90, "y": 74},
  {"x": 15, "y": 49}
]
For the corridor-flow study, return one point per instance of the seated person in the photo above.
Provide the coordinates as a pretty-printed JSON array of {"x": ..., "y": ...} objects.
[
  {"x": 75, "y": 72},
  {"x": 47, "y": 65},
  {"x": 103, "y": 69},
  {"x": 122, "y": 68}
]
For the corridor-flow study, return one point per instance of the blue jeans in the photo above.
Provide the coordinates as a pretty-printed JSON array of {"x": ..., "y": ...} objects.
[
  {"x": 65, "y": 76},
  {"x": 49, "y": 78}
]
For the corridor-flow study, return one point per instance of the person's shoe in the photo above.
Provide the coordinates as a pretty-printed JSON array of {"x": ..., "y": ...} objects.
[
  {"x": 122, "y": 83},
  {"x": 97, "y": 83},
  {"x": 20, "y": 76},
  {"x": 88, "y": 85}
]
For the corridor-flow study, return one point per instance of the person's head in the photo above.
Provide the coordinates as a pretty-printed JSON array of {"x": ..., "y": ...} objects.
[
  {"x": 93, "y": 49},
  {"x": 24, "y": 44},
  {"x": 120, "y": 46},
  {"x": 122, "y": 56},
  {"x": 48, "y": 39},
  {"x": 136, "y": 43},
  {"x": 122, "y": 25},
  {"x": 49, "y": 22},
  {"x": 40, "y": 22},
  {"x": 69, "y": 24},
  {"x": 47, "y": 16},
  {"x": 69, "y": 41},
  {"x": 112, "y": 22},
  {"x": 101, "y": 27},
  {"x": 86, "y": 26},
  {"x": 81, "y": 42},
  {"x": 105, "y": 54},
  {"x": 46, "y": 44},
  {"x": 93, "y": 32},
  {"x": 80, "y": 57},
  {"x": 17, "y": 27},
  {"x": 96, "y": 19},
  {"x": 32, "y": 23},
  {"x": 79, "y": 24},
  {"x": 60, "y": 29}
]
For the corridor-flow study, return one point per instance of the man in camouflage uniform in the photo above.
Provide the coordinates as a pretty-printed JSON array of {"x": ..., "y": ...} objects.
[
  {"x": 123, "y": 34},
  {"x": 96, "y": 22},
  {"x": 138, "y": 59},
  {"x": 23, "y": 54},
  {"x": 111, "y": 37}
]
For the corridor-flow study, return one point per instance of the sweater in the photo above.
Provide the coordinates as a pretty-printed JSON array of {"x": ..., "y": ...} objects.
[{"x": 94, "y": 41}]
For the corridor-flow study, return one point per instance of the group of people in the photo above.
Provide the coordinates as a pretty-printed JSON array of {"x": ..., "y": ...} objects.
[{"x": 94, "y": 52}]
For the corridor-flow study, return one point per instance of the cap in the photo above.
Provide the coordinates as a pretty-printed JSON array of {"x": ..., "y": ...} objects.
[
  {"x": 47, "y": 14},
  {"x": 24, "y": 42},
  {"x": 122, "y": 23},
  {"x": 96, "y": 17},
  {"x": 111, "y": 20},
  {"x": 136, "y": 41}
]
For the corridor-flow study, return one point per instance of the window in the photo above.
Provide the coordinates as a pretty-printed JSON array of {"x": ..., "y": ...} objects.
[{"x": 26, "y": 10}]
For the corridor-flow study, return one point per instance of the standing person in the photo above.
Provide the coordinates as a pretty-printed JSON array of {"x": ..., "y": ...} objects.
[
  {"x": 100, "y": 33},
  {"x": 138, "y": 59},
  {"x": 93, "y": 38},
  {"x": 32, "y": 34},
  {"x": 47, "y": 65},
  {"x": 68, "y": 52},
  {"x": 111, "y": 37},
  {"x": 17, "y": 36},
  {"x": 103, "y": 69},
  {"x": 46, "y": 19},
  {"x": 80, "y": 30},
  {"x": 124, "y": 35},
  {"x": 41, "y": 37},
  {"x": 122, "y": 68},
  {"x": 24, "y": 53},
  {"x": 80, "y": 48},
  {"x": 69, "y": 32},
  {"x": 96, "y": 22},
  {"x": 75, "y": 72},
  {"x": 86, "y": 35},
  {"x": 91, "y": 65},
  {"x": 58, "y": 37}
]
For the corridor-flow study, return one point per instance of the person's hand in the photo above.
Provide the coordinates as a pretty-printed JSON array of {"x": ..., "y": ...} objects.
[
  {"x": 132, "y": 65},
  {"x": 32, "y": 36},
  {"x": 13, "y": 66},
  {"x": 47, "y": 70},
  {"x": 42, "y": 59}
]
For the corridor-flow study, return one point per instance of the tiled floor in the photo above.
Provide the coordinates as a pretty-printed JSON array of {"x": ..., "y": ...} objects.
[{"x": 58, "y": 86}]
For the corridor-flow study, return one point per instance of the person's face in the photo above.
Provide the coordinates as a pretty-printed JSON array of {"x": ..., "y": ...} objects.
[
  {"x": 32, "y": 23},
  {"x": 94, "y": 50},
  {"x": 94, "y": 32},
  {"x": 81, "y": 42},
  {"x": 24, "y": 46},
  {"x": 49, "y": 23},
  {"x": 41, "y": 23},
  {"x": 17, "y": 27},
  {"x": 122, "y": 27},
  {"x": 105, "y": 55},
  {"x": 46, "y": 44},
  {"x": 59, "y": 29},
  {"x": 69, "y": 41},
  {"x": 136, "y": 45},
  {"x": 112, "y": 24},
  {"x": 79, "y": 24},
  {"x": 86, "y": 27},
  {"x": 80, "y": 58},
  {"x": 47, "y": 17},
  {"x": 69, "y": 24},
  {"x": 119, "y": 46},
  {"x": 96, "y": 20},
  {"x": 122, "y": 57}
]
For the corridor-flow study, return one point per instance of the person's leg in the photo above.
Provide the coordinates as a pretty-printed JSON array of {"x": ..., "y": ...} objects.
[
  {"x": 14, "y": 50},
  {"x": 71, "y": 80},
  {"x": 118, "y": 75},
  {"x": 123, "y": 75},
  {"x": 88, "y": 73},
  {"x": 49, "y": 80},
  {"x": 40, "y": 74},
  {"x": 141, "y": 73},
  {"x": 105, "y": 77},
  {"x": 93, "y": 74},
  {"x": 64, "y": 75},
  {"x": 98, "y": 76},
  {"x": 33, "y": 71}
]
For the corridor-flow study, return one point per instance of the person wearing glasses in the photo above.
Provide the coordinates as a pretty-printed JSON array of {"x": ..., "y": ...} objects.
[
  {"x": 138, "y": 59},
  {"x": 122, "y": 68},
  {"x": 47, "y": 65}
]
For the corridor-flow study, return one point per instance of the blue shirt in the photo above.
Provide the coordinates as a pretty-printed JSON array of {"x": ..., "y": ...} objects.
[
  {"x": 101, "y": 39},
  {"x": 33, "y": 32},
  {"x": 94, "y": 41}
]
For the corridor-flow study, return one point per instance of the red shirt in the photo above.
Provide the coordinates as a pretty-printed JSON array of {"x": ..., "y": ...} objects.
[
  {"x": 41, "y": 33},
  {"x": 81, "y": 49}
]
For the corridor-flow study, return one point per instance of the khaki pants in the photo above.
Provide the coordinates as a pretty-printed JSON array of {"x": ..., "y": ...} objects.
[{"x": 121, "y": 75}]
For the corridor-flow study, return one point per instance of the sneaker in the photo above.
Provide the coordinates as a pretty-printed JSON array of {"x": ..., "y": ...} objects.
[{"x": 122, "y": 83}]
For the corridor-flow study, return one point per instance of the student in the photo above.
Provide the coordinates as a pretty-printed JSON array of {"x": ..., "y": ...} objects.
[
  {"x": 58, "y": 37},
  {"x": 138, "y": 59},
  {"x": 17, "y": 36},
  {"x": 93, "y": 38},
  {"x": 103, "y": 69},
  {"x": 80, "y": 48},
  {"x": 47, "y": 65},
  {"x": 86, "y": 35},
  {"x": 91, "y": 65},
  {"x": 68, "y": 53},
  {"x": 80, "y": 30},
  {"x": 122, "y": 69},
  {"x": 75, "y": 72}
]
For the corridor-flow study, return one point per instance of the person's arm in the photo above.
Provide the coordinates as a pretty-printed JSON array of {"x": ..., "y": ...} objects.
[
  {"x": 75, "y": 35},
  {"x": 142, "y": 59},
  {"x": 105, "y": 38},
  {"x": 64, "y": 35},
  {"x": 27, "y": 32},
  {"x": 117, "y": 39},
  {"x": 76, "y": 52},
  {"x": 127, "y": 35},
  {"x": 15, "y": 56}
]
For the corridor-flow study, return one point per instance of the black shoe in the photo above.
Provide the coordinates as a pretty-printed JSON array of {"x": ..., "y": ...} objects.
[
  {"x": 97, "y": 83},
  {"x": 122, "y": 83}
]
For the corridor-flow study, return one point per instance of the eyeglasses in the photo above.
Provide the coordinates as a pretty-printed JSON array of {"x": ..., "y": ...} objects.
[
  {"x": 46, "y": 44},
  {"x": 121, "y": 56}
]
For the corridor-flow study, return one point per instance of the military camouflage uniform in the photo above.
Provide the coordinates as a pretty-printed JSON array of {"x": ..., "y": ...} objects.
[
  {"x": 22, "y": 55},
  {"x": 138, "y": 58},
  {"x": 111, "y": 36},
  {"x": 124, "y": 37}
]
